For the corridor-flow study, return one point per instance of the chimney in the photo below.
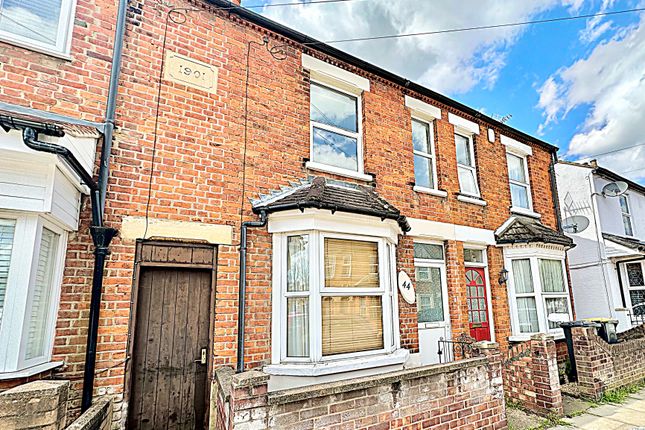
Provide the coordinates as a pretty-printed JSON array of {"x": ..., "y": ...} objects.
[{"x": 236, "y": 2}]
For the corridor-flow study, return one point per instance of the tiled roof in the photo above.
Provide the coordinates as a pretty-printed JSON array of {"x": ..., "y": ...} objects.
[
  {"x": 628, "y": 242},
  {"x": 529, "y": 230},
  {"x": 76, "y": 130},
  {"x": 320, "y": 193}
]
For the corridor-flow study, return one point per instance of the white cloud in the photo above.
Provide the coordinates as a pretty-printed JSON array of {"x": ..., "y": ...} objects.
[
  {"x": 610, "y": 81},
  {"x": 451, "y": 63}
]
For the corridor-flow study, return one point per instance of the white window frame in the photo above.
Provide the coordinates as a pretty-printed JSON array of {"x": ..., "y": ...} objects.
[
  {"x": 473, "y": 168},
  {"x": 534, "y": 255},
  {"x": 527, "y": 184},
  {"x": 63, "y": 37},
  {"x": 626, "y": 285},
  {"x": 316, "y": 165},
  {"x": 427, "y": 155},
  {"x": 441, "y": 265},
  {"x": 627, "y": 214},
  {"x": 26, "y": 248}
]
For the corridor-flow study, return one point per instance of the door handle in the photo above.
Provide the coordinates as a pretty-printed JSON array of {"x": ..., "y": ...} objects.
[{"x": 202, "y": 358}]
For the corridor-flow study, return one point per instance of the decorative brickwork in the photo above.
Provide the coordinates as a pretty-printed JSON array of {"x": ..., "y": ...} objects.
[
  {"x": 602, "y": 366},
  {"x": 460, "y": 395},
  {"x": 531, "y": 375}
]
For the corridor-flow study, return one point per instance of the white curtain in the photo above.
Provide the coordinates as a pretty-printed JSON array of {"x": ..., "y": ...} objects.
[
  {"x": 527, "y": 315},
  {"x": 522, "y": 278},
  {"x": 298, "y": 327},
  {"x": 7, "y": 228},
  {"x": 298, "y": 263},
  {"x": 551, "y": 276}
]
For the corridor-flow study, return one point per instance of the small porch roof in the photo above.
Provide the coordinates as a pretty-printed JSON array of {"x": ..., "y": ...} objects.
[{"x": 627, "y": 242}]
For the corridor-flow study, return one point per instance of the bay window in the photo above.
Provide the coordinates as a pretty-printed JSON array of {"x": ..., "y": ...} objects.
[
  {"x": 31, "y": 263},
  {"x": 538, "y": 292},
  {"x": 38, "y": 24},
  {"x": 335, "y": 297}
]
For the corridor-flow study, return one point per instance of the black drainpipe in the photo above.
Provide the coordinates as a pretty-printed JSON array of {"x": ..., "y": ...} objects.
[
  {"x": 554, "y": 191},
  {"x": 241, "y": 308}
]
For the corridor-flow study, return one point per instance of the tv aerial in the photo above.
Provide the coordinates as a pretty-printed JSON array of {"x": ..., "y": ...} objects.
[{"x": 614, "y": 189}]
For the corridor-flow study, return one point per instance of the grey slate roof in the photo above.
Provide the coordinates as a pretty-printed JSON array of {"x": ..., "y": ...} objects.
[
  {"x": 529, "y": 230},
  {"x": 321, "y": 193},
  {"x": 628, "y": 242}
]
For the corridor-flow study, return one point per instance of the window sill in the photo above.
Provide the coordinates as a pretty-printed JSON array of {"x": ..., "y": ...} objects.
[
  {"x": 431, "y": 191},
  {"x": 399, "y": 356},
  {"x": 312, "y": 165},
  {"x": 30, "y": 371},
  {"x": 52, "y": 52},
  {"x": 525, "y": 212},
  {"x": 471, "y": 199}
]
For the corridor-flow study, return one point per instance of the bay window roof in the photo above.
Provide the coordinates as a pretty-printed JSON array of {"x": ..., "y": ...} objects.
[
  {"x": 522, "y": 229},
  {"x": 322, "y": 193}
]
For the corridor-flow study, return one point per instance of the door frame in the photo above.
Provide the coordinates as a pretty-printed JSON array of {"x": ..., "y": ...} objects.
[
  {"x": 141, "y": 262},
  {"x": 483, "y": 265}
]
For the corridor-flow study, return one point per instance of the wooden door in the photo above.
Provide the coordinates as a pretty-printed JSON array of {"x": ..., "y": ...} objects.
[
  {"x": 477, "y": 304},
  {"x": 168, "y": 374}
]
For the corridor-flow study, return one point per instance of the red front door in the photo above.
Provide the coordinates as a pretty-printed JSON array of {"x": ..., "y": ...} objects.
[{"x": 477, "y": 304}]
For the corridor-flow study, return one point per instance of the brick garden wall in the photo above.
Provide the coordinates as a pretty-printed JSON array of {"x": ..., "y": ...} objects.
[
  {"x": 530, "y": 374},
  {"x": 602, "y": 366},
  {"x": 461, "y": 395}
]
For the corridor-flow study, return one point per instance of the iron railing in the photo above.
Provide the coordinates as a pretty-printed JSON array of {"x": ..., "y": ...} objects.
[{"x": 460, "y": 348}]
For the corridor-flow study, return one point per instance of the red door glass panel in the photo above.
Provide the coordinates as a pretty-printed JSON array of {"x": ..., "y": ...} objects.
[{"x": 477, "y": 304}]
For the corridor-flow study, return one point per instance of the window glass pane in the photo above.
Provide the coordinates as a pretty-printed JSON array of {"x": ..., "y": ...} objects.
[
  {"x": 551, "y": 276},
  {"x": 624, "y": 205},
  {"x": 298, "y": 263},
  {"x": 527, "y": 315},
  {"x": 7, "y": 230},
  {"x": 520, "y": 196},
  {"x": 467, "y": 182},
  {"x": 335, "y": 149},
  {"x": 351, "y": 324},
  {"x": 637, "y": 297},
  {"x": 635, "y": 275},
  {"x": 627, "y": 223},
  {"x": 463, "y": 150},
  {"x": 522, "y": 277},
  {"x": 429, "y": 294},
  {"x": 351, "y": 264},
  {"x": 421, "y": 136},
  {"x": 41, "y": 299},
  {"x": 34, "y": 19},
  {"x": 333, "y": 108},
  {"x": 473, "y": 255},
  {"x": 298, "y": 327},
  {"x": 516, "y": 171},
  {"x": 555, "y": 305},
  {"x": 428, "y": 251},
  {"x": 423, "y": 172}
]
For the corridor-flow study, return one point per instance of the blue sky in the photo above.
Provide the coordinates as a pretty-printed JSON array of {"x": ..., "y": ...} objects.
[{"x": 577, "y": 84}]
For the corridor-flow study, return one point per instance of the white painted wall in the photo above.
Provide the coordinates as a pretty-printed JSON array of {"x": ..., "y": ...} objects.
[{"x": 610, "y": 213}]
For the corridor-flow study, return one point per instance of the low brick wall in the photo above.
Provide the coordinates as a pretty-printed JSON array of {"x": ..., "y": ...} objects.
[
  {"x": 461, "y": 395},
  {"x": 38, "y": 404},
  {"x": 97, "y": 417},
  {"x": 530, "y": 374},
  {"x": 602, "y": 366}
]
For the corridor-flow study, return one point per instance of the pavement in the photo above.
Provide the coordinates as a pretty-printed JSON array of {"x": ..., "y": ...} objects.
[{"x": 579, "y": 414}]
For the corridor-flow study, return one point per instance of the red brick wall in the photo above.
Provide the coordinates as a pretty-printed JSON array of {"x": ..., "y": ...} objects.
[
  {"x": 530, "y": 374},
  {"x": 198, "y": 169}
]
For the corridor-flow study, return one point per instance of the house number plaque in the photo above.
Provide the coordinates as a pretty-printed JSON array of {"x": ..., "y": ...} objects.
[
  {"x": 406, "y": 287},
  {"x": 193, "y": 73}
]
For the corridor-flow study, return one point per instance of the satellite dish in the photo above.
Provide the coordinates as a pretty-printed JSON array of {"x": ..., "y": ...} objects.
[
  {"x": 614, "y": 189},
  {"x": 575, "y": 224}
]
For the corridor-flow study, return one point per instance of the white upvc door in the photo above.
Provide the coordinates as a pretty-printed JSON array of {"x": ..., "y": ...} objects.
[{"x": 433, "y": 310}]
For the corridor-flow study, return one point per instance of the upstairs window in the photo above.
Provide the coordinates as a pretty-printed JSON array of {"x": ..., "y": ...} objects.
[
  {"x": 627, "y": 216},
  {"x": 466, "y": 167},
  {"x": 44, "y": 25},
  {"x": 335, "y": 125},
  {"x": 425, "y": 174},
  {"x": 518, "y": 178}
]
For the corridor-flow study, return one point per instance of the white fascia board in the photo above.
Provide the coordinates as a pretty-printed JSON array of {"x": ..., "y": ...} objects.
[
  {"x": 326, "y": 72},
  {"x": 423, "y": 109},
  {"x": 463, "y": 124},
  {"x": 502, "y": 228},
  {"x": 514, "y": 146},
  {"x": 444, "y": 231}
]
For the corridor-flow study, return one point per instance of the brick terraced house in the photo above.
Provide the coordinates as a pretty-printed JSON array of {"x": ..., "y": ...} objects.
[{"x": 272, "y": 195}]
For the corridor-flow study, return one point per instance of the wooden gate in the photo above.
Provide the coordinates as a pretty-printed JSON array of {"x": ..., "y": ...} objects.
[{"x": 171, "y": 345}]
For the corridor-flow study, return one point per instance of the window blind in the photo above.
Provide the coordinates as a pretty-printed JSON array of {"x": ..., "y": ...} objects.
[
  {"x": 7, "y": 231},
  {"x": 351, "y": 324},
  {"x": 351, "y": 264},
  {"x": 41, "y": 298}
]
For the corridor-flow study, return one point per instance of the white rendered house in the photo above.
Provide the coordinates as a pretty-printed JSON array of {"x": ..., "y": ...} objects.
[{"x": 607, "y": 266}]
